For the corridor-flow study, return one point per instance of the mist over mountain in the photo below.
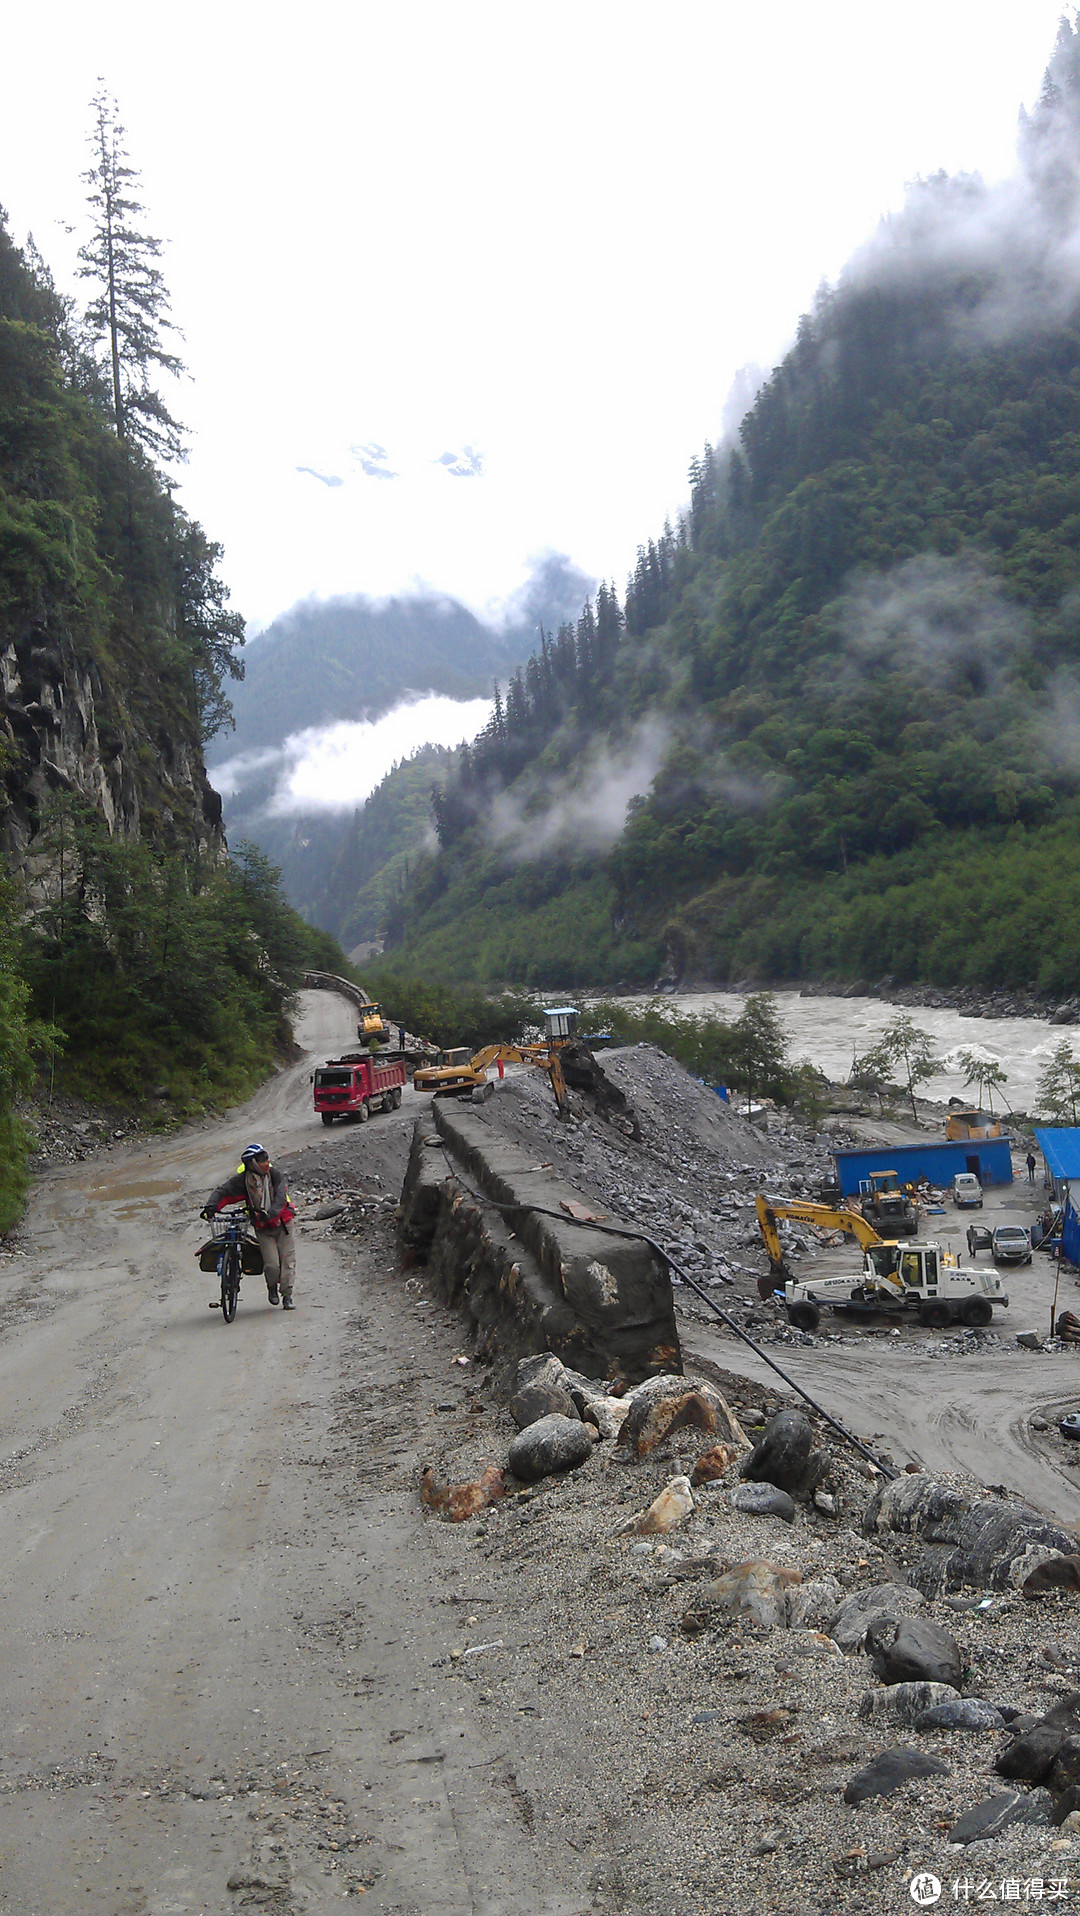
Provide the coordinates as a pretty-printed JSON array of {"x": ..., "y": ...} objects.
[
  {"x": 336, "y": 693},
  {"x": 854, "y": 663}
]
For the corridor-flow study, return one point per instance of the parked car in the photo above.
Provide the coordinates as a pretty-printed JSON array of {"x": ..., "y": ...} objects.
[
  {"x": 1011, "y": 1244},
  {"x": 966, "y": 1189}
]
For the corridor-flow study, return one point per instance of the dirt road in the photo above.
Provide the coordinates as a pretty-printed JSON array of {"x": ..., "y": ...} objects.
[{"x": 220, "y": 1605}]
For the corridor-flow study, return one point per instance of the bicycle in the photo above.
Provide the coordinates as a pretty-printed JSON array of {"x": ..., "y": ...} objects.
[{"x": 231, "y": 1234}]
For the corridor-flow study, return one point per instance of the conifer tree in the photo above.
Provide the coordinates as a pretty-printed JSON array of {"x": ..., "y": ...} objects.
[{"x": 129, "y": 311}]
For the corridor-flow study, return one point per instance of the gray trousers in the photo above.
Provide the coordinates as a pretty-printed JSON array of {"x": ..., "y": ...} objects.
[{"x": 278, "y": 1247}]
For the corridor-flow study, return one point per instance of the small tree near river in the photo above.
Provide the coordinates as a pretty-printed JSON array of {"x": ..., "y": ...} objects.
[{"x": 903, "y": 1054}]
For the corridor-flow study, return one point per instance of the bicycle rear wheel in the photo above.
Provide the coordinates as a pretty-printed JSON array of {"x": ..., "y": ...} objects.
[{"x": 230, "y": 1281}]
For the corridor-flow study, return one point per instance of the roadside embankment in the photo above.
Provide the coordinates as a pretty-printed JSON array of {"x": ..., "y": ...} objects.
[{"x": 514, "y": 1245}]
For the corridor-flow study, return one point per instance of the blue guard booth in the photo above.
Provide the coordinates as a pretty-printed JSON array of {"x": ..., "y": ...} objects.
[{"x": 989, "y": 1158}]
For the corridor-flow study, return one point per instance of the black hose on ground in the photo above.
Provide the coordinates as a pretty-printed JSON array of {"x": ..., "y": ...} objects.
[{"x": 642, "y": 1237}]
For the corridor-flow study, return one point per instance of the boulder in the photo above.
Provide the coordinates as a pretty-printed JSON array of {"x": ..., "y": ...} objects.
[
  {"x": 991, "y": 1543},
  {"x": 1054, "y": 1573},
  {"x": 757, "y": 1590},
  {"x": 593, "y": 1403},
  {"x": 904, "y": 1702},
  {"x": 1067, "y": 1805},
  {"x": 541, "y": 1368},
  {"x": 914, "y": 1650},
  {"x": 550, "y": 1445},
  {"x": 1066, "y": 1769},
  {"x": 782, "y": 1454},
  {"x": 811, "y": 1606},
  {"x": 995, "y": 1814},
  {"x": 712, "y": 1464},
  {"x": 763, "y": 1500},
  {"x": 663, "y": 1405},
  {"x": 541, "y": 1400},
  {"x": 455, "y": 1502},
  {"x": 961, "y": 1713},
  {"x": 889, "y": 1772},
  {"x": 849, "y": 1624},
  {"x": 666, "y": 1512},
  {"x": 1030, "y": 1757}
]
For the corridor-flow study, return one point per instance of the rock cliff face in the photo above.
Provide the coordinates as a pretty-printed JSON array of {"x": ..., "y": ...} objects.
[{"x": 67, "y": 731}]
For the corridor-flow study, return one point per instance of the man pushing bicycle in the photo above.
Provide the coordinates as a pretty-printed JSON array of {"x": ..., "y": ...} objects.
[{"x": 257, "y": 1184}]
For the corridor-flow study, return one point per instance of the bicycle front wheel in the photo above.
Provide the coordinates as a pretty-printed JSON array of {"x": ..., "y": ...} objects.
[{"x": 230, "y": 1281}]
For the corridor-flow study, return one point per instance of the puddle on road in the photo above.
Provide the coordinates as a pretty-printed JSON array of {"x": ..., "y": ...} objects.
[{"x": 133, "y": 1190}]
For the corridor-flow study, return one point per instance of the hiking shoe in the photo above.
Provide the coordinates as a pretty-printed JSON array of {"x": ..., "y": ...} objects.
[
  {"x": 287, "y": 1304},
  {"x": 272, "y": 1294}
]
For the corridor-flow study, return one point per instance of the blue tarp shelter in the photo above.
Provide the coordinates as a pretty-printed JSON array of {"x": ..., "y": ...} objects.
[
  {"x": 989, "y": 1158},
  {"x": 1060, "y": 1146}
]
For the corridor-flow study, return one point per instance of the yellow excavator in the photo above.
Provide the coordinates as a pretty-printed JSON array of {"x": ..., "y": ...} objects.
[
  {"x": 902, "y": 1277},
  {"x": 463, "y": 1074},
  {"x": 460, "y": 1073},
  {"x": 826, "y": 1219}
]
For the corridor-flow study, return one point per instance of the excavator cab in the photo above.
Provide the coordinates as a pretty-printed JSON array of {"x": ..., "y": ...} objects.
[{"x": 560, "y": 1024}]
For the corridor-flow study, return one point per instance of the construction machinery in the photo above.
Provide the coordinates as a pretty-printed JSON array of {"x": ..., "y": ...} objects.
[
  {"x": 889, "y": 1209},
  {"x": 804, "y": 1211},
  {"x": 459, "y": 1072},
  {"x": 895, "y": 1277},
  {"x": 356, "y": 1084},
  {"x": 371, "y": 1023},
  {"x": 903, "y": 1279}
]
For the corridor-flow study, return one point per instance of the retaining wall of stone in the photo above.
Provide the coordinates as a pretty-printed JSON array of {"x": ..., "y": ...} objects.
[{"x": 475, "y": 1210}]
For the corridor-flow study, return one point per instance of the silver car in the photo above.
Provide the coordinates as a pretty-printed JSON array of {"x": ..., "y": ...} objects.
[{"x": 1011, "y": 1245}]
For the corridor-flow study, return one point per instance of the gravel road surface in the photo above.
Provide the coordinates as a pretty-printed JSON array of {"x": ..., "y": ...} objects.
[{"x": 217, "y": 1620}]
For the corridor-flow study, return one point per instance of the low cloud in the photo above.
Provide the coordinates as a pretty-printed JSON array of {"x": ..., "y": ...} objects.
[
  {"x": 325, "y": 478},
  {"x": 586, "y": 813},
  {"x": 334, "y": 768},
  {"x": 945, "y": 621},
  {"x": 1014, "y": 246}
]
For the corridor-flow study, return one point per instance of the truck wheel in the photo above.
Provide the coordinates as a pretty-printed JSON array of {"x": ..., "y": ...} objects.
[
  {"x": 364, "y": 1113},
  {"x": 396, "y": 1106},
  {"x": 936, "y": 1313},
  {"x": 804, "y": 1315},
  {"x": 327, "y": 1117},
  {"x": 977, "y": 1310}
]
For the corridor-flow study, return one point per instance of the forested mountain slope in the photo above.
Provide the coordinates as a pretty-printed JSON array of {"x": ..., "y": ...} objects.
[
  {"x": 137, "y": 959},
  {"x": 846, "y": 688}
]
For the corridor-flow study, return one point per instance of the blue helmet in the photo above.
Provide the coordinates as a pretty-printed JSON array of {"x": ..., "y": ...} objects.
[{"x": 253, "y": 1151}]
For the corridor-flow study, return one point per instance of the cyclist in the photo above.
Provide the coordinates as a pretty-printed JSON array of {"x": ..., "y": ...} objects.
[{"x": 261, "y": 1187}]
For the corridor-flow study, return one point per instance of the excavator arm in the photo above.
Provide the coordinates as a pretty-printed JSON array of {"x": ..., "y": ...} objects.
[{"x": 806, "y": 1212}]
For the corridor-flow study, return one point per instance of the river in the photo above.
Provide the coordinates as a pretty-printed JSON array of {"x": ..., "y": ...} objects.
[{"x": 827, "y": 1031}]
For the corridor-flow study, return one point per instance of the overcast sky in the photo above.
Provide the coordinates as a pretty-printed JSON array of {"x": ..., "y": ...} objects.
[{"x": 512, "y": 255}]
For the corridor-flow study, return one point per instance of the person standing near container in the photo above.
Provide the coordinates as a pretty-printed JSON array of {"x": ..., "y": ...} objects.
[{"x": 261, "y": 1186}]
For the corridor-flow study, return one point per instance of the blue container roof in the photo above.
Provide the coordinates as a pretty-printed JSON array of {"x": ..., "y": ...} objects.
[{"x": 1060, "y": 1146}]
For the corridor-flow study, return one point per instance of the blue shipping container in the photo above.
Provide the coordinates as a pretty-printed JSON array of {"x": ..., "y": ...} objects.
[{"x": 989, "y": 1158}]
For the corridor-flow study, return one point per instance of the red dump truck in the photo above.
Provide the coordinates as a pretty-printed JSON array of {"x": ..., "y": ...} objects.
[{"x": 356, "y": 1085}]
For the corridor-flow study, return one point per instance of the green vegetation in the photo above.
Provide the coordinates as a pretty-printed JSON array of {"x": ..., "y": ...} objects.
[
  {"x": 137, "y": 960},
  {"x": 863, "y": 640},
  {"x": 903, "y": 1053},
  {"x": 984, "y": 1073},
  {"x": 1058, "y": 1089},
  {"x": 448, "y": 1017}
]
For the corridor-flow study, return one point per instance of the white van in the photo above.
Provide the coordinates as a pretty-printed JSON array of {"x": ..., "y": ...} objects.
[{"x": 966, "y": 1189}]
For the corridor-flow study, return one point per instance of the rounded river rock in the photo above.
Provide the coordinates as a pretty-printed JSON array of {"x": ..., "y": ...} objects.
[{"x": 551, "y": 1444}]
